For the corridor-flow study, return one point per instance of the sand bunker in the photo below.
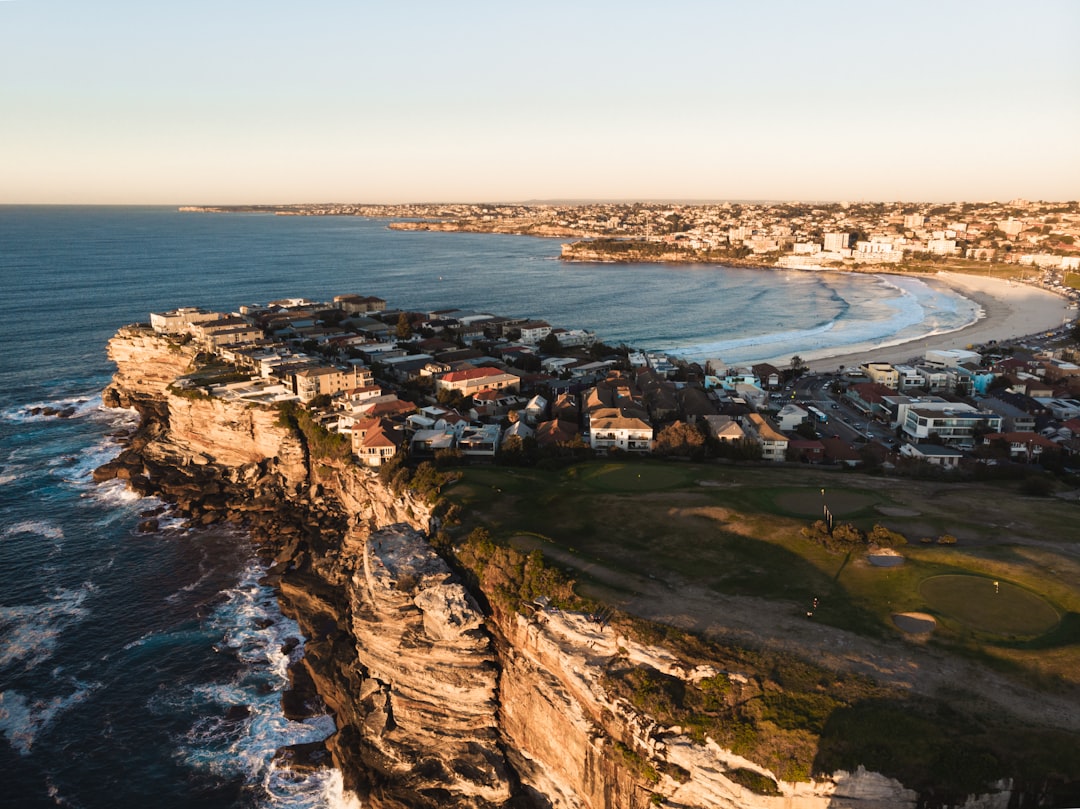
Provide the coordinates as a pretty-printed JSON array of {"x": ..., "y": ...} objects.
[
  {"x": 893, "y": 511},
  {"x": 885, "y": 557},
  {"x": 915, "y": 623}
]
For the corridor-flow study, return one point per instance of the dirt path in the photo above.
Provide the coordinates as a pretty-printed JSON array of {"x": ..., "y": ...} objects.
[{"x": 761, "y": 623}]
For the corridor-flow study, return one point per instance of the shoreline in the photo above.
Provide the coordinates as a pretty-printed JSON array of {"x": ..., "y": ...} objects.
[{"x": 1009, "y": 311}]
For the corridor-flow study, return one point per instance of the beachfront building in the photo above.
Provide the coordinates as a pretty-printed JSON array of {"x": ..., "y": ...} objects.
[
  {"x": 878, "y": 251},
  {"x": 951, "y": 357},
  {"x": 838, "y": 242},
  {"x": 883, "y": 374}
]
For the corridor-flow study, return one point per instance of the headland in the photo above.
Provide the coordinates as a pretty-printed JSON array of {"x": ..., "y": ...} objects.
[{"x": 428, "y": 550}]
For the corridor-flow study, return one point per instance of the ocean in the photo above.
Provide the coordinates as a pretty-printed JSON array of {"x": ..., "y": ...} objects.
[{"x": 146, "y": 669}]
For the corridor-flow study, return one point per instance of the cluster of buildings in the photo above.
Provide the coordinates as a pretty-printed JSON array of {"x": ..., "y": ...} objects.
[
  {"x": 1042, "y": 235},
  {"x": 472, "y": 383}
]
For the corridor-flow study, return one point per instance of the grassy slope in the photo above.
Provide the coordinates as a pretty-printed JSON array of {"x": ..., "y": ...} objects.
[{"x": 737, "y": 531}]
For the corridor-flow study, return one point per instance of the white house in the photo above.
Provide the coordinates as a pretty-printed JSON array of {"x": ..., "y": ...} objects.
[
  {"x": 609, "y": 429},
  {"x": 773, "y": 444},
  {"x": 790, "y": 417}
]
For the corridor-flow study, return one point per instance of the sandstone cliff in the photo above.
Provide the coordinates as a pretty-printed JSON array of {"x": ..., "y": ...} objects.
[{"x": 436, "y": 702}]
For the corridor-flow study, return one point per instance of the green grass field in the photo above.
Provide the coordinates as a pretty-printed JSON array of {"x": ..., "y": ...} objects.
[{"x": 989, "y": 605}]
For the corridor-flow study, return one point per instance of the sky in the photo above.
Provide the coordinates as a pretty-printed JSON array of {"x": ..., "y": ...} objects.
[{"x": 238, "y": 102}]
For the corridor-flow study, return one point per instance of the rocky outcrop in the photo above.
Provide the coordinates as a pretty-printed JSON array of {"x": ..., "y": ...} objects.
[{"x": 146, "y": 365}]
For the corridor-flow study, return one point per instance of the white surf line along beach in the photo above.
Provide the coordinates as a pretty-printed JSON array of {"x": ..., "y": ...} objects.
[{"x": 1010, "y": 310}]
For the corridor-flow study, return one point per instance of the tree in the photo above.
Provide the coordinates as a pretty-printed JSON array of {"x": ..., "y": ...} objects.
[
  {"x": 550, "y": 344},
  {"x": 798, "y": 367},
  {"x": 404, "y": 328},
  {"x": 680, "y": 438}
]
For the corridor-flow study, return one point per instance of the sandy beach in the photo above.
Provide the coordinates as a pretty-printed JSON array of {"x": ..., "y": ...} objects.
[{"x": 1010, "y": 310}]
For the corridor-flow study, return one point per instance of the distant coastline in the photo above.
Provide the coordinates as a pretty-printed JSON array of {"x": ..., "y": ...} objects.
[{"x": 1011, "y": 308}]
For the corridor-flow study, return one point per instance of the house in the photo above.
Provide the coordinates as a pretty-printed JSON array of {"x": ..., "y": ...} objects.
[
  {"x": 519, "y": 429},
  {"x": 474, "y": 380},
  {"x": 790, "y": 417},
  {"x": 768, "y": 376},
  {"x": 974, "y": 377},
  {"x": 773, "y": 443},
  {"x": 479, "y": 440},
  {"x": 936, "y": 379},
  {"x": 535, "y": 410},
  {"x": 1023, "y": 446},
  {"x": 610, "y": 428},
  {"x": 1019, "y": 412},
  {"x": 935, "y": 454},
  {"x": 375, "y": 441},
  {"x": 806, "y": 451},
  {"x": 841, "y": 452},
  {"x": 725, "y": 429},
  {"x": 428, "y": 442},
  {"x": 566, "y": 408},
  {"x": 951, "y": 358},
  {"x": 556, "y": 431},
  {"x": 389, "y": 408}
]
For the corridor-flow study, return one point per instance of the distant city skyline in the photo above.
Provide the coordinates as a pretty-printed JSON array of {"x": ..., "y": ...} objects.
[{"x": 209, "y": 103}]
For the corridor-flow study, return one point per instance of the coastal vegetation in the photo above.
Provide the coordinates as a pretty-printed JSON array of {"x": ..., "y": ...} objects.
[{"x": 321, "y": 442}]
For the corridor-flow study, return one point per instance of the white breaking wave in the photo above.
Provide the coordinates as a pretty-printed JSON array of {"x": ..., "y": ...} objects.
[
  {"x": 42, "y": 528},
  {"x": 23, "y": 720},
  {"x": 31, "y": 631},
  {"x": 323, "y": 789},
  {"x": 879, "y": 319},
  {"x": 241, "y": 725}
]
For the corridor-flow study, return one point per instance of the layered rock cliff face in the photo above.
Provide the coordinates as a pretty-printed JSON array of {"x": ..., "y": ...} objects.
[{"x": 436, "y": 703}]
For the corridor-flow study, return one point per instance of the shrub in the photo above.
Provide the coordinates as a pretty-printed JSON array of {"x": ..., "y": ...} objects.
[{"x": 884, "y": 538}]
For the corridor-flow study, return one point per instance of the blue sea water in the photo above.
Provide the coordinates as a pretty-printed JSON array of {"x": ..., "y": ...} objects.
[{"x": 123, "y": 656}]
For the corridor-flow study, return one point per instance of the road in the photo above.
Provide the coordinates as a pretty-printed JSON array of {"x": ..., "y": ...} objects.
[{"x": 843, "y": 419}]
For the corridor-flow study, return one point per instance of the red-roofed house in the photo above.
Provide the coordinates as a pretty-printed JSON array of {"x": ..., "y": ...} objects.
[
  {"x": 869, "y": 397},
  {"x": 1022, "y": 446},
  {"x": 391, "y": 409},
  {"x": 375, "y": 441},
  {"x": 555, "y": 432},
  {"x": 475, "y": 380}
]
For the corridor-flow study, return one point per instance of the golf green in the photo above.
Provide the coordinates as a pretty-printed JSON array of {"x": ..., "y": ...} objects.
[{"x": 992, "y": 606}]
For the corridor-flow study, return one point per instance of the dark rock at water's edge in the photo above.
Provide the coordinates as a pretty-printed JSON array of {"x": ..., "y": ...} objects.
[
  {"x": 58, "y": 412},
  {"x": 306, "y": 757}
]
